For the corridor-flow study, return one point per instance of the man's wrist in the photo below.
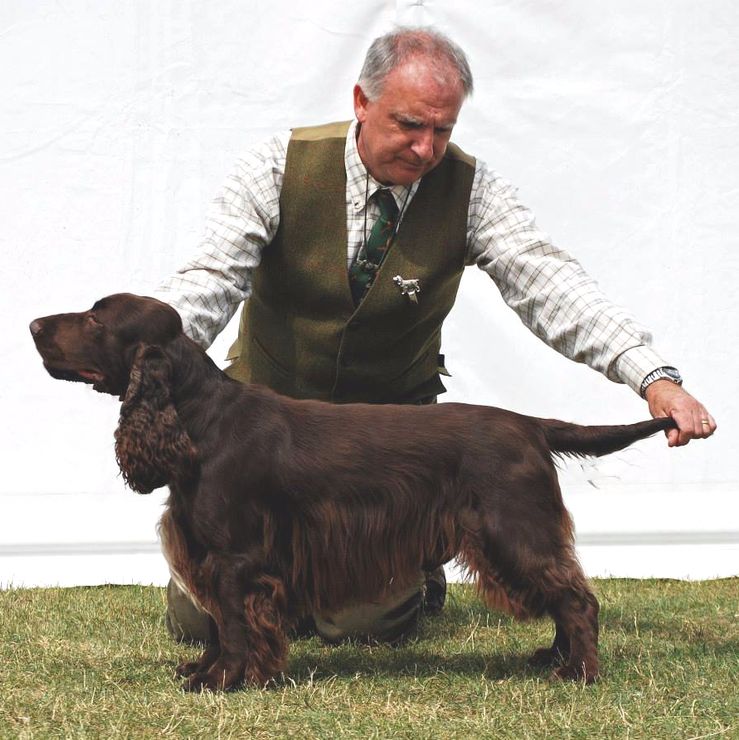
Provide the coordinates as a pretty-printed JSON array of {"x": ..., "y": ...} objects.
[{"x": 666, "y": 372}]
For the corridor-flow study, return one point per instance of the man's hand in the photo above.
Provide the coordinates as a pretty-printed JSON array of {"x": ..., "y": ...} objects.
[{"x": 666, "y": 398}]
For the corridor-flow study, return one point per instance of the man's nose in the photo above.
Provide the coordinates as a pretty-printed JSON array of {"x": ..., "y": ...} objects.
[{"x": 423, "y": 145}]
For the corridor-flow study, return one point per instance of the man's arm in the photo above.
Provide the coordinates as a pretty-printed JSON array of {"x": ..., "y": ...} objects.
[
  {"x": 242, "y": 220},
  {"x": 560, "y": 303}
]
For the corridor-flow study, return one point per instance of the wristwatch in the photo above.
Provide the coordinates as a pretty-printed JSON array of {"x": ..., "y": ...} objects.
[{"x": 661, "y": 373}]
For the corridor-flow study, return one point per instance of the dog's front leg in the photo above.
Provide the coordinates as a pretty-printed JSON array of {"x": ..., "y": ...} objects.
[
  {"x": 222, "y": 664},
  {"x": 251, "y": 626},
  {"x": 207, "y": 659}
]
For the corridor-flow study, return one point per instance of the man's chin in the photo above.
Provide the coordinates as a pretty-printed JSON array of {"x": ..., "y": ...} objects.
[{"x": 406, "y": 174}]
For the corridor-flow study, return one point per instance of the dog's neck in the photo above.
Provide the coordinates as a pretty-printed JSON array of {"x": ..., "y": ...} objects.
[{"x": 197, "y": 383}]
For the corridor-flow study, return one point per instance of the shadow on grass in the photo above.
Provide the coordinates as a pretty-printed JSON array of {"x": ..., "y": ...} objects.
[
  {"x": 438, "y": 648},
  {"x": 408, "y": 661}
]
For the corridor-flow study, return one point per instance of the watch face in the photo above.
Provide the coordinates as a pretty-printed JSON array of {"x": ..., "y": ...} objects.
[{"x": 673, "y": 374}]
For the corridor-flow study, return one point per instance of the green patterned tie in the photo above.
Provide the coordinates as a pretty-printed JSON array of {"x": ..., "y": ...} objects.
[{"x": 369, "y": 259}]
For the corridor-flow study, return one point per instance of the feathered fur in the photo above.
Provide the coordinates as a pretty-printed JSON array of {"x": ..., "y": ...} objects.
[{"x": 151, "y": 446}]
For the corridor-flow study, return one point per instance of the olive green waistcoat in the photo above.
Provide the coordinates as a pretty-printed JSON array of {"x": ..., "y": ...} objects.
[{"x": 300, "y": 332}]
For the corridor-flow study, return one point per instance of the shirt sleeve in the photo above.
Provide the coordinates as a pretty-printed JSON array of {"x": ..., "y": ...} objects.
[
  {"x": 242, "y": 219},
  {"x": 549, "y": 290}
]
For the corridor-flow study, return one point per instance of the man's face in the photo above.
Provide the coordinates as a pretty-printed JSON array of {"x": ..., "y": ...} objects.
[{"x": 405, "y": 131}]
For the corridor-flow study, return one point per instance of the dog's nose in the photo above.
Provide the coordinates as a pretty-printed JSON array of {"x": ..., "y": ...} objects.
[{"x": 36, "y": 327}]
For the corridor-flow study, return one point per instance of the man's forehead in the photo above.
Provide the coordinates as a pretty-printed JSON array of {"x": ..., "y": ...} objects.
[
  {"x": 419, "y": 95},
  {"x": 425, "y": 71}
]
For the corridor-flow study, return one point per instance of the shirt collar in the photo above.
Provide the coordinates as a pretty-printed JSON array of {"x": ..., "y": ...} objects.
[{"x": 358, "y": 189}]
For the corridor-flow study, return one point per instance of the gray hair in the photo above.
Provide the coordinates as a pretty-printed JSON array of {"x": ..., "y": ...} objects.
[{"x": 393, "y": 49}]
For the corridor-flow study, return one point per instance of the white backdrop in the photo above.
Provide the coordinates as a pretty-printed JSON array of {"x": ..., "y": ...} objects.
[{"x": 619, "y": 123}]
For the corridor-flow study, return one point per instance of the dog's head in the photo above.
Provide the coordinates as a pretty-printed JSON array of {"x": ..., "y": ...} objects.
[
  {"x": 99, "y": 346},
  {"x": 118, "y": 346}
]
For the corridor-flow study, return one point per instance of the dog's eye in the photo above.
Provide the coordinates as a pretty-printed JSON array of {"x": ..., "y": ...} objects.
[{"x": 93, "y": 322}]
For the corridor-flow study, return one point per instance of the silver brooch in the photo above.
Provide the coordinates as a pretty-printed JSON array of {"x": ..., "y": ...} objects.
[{"x": 410, "y": 288}]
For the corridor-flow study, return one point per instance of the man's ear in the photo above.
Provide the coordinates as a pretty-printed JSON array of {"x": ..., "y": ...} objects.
[{"x": 360, "y": 103}]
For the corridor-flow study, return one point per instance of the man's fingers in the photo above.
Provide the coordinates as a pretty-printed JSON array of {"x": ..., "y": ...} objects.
[
  {"x": 693, "y": 423},
  {"x": 707, "y": 424},
  {"x": 703, "y": 424},
  {"x": 692, "y": 418},
  {"x": 673, "y": 437}
]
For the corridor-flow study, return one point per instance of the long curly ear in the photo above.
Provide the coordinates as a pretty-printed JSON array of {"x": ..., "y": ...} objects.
[{"x": 151, "y": 445}]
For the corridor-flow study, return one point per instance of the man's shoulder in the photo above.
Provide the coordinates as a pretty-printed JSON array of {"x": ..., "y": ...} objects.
[
  {"x": 456, "y": 153},
  {"x": 335, "y": 130}
]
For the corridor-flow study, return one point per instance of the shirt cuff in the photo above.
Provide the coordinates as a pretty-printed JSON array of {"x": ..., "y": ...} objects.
[{"x": 633, "y": 365}]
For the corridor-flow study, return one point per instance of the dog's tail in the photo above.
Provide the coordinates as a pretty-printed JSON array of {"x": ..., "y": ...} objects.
[{"x": 573, "y": 439}]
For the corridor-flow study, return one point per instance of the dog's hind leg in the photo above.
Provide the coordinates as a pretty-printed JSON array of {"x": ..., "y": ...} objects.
[
  {"x": 531, "y": 572},
  {"x": 575, "y": 611},
  {"x": 557, "y": 654}
]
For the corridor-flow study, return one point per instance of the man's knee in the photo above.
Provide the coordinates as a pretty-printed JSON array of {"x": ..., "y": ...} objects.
[{"x": 185, "y": 622}]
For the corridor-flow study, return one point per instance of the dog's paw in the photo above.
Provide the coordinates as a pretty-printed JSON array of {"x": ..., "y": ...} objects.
[
  {"x": 206, "y": 660},
  {"x": 186, "y": 669},
  {"x": 198, "y": 682},
  {"x": 220, "y": 677},
  {"x": 206, "y": 681},
  {"x": 546, "y": 658},
  {"x": 576, "y": 672}
]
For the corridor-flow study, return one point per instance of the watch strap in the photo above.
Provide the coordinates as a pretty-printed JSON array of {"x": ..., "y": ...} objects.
[{"x": 661, "y": 373}]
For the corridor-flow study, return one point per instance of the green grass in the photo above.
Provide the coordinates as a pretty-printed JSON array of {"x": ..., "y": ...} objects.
[{"x": 97, "y": 663}]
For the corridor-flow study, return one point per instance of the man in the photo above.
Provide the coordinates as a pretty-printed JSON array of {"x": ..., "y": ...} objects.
[{"x": 349, "y": 241}]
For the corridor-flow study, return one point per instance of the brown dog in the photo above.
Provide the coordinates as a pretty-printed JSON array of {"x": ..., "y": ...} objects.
[{"x": 280, "y": 508}]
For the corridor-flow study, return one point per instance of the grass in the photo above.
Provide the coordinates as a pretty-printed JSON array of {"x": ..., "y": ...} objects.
[{"x": 97, "y": 663}]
